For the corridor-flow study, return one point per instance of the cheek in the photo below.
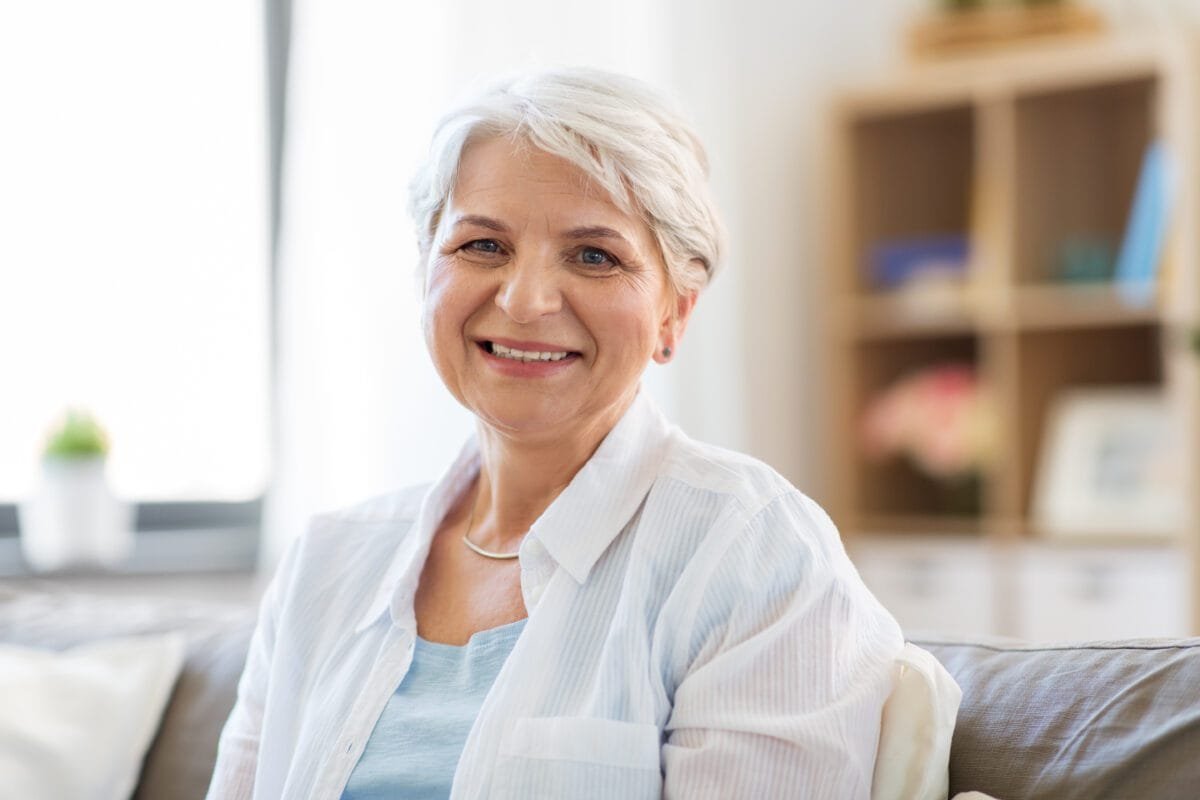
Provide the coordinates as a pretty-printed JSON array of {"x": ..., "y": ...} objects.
[
  {"x": 450, "y": 301},
  {"x": 437, "y": 309},
  {"x": 430, "y": 312},
  {"x": 630, "y": 322}
]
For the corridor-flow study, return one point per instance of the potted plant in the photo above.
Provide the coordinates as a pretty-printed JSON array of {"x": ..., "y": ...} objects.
[{"x": 73, "y": 519}]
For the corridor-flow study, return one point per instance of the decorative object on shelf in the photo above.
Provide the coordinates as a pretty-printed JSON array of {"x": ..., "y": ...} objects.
[
  {"x": 898, "y": 263},
  {"x": 1109, "y": 466},
  {"x": 929, "y": 275},
  {"x": 1146, "y": 232},
  {"x": 1085, "y": 259},
  {"x": 940, "y": 419},
  {"x": 73, "y": 518},
  {"x": 964, "y": 27}
]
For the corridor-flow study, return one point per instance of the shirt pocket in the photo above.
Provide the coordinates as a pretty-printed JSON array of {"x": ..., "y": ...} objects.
[{"x": 579, "y": 757}]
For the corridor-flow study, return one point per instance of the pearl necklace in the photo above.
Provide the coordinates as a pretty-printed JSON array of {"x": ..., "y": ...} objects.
[{"x": 476, "y": 548}]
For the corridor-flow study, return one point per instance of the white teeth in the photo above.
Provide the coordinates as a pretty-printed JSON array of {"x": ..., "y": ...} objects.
[{"x": 526, "y": 355}]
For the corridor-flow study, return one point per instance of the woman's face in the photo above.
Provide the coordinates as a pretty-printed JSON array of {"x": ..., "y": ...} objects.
[{"x": 544, "y": 301}]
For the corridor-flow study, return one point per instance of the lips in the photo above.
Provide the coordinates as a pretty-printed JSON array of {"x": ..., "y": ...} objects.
[{"x": 525, "y": 356}]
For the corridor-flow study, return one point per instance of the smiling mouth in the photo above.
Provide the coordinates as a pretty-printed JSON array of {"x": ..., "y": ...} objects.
[{"x": 525, "y": 356}]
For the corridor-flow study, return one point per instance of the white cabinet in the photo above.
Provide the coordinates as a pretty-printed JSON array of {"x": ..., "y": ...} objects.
[
  {"x": 1066, "y": 593},
  {"x": 935, "y": 586},
  {"x": 1039, "y": 592}
]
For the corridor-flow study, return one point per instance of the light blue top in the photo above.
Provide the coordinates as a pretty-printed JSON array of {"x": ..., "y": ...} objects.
[{"x": 416, "y": 744}]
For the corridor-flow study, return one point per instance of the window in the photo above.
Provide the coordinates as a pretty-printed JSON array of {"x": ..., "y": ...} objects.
[{"x": 134, "y": 263}]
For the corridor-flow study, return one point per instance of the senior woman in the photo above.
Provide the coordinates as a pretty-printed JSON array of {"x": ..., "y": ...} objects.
[{"x": 588, "y": 603}]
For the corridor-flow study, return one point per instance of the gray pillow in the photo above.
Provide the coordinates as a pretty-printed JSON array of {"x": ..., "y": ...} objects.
[{"x": 1094, "y": 720}]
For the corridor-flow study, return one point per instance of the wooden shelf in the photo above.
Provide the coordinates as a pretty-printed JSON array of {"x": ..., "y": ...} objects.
[
  {"x": 900, "y": 315},
  {"x": 1005, "y": 74},
  {"x": 1048, "y": 306},
  {"x": 1034, "y": 156},
  {"x": 919, "y": 524},
  {"x": 1131, "y": 539}
]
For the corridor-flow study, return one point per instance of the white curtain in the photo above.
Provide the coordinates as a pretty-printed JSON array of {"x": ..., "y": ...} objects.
[{"x": 360, "y": 409}]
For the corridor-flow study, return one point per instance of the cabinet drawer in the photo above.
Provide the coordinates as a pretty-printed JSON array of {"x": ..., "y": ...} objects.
[
  {"x": 931, "y": 587},
  {"x": 1075, "y": 594}
]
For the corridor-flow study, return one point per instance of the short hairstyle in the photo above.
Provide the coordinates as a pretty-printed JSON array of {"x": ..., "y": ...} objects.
[{"x": 623, "y": 134}]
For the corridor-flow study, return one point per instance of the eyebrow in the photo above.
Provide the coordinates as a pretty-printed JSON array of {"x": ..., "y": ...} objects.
[
  {"x": 482, "y": 222},
  {"x": 594, "y": 232},
  {"x": 584, "y": 232}
]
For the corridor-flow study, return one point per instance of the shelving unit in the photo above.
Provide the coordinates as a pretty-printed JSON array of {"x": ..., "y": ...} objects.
[{"x": 1020, "y": 152}]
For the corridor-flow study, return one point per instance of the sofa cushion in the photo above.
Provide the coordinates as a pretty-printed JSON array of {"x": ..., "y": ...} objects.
[
  {"x": 77, "y": 723},
  {"x": 179, "y": 763},
  {"x": 1092, "y": 720}
]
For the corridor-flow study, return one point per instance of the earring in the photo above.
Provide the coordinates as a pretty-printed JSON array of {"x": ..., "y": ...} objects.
[{"x": 666, "y": 351}]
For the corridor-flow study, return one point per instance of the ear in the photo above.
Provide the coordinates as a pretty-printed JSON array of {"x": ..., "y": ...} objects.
[{"x": 673, "y": 325}]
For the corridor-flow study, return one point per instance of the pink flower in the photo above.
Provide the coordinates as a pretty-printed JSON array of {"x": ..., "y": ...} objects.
[{"x": 939, "y": 417}]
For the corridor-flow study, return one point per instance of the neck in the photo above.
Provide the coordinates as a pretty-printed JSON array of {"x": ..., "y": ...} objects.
[{"x": 519, "y": 477}]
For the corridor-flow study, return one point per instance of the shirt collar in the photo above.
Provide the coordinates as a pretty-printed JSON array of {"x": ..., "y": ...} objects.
[
  {"x": 575, "y": 529},
  {"x": 399, "y": 582},
  {"x": 602, "y": 497}
]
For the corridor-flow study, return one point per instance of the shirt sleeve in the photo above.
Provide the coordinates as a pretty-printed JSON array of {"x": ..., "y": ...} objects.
[
  {"x": 790, "y": 661},
  {"x": 237, "y": 751}
]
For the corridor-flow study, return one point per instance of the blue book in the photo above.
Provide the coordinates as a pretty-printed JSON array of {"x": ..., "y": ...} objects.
[{"x": 1146, "y": 231}]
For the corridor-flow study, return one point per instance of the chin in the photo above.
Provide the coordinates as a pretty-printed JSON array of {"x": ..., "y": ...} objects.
[{"x": 524, "y": 418}]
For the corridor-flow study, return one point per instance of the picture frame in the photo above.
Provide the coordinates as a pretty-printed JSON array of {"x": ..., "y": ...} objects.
[{"x": 1110, "y": 466}]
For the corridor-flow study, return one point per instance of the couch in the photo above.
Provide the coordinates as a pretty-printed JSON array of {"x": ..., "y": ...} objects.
[
  {"x": 180, "y": 758},
  {"x": 1095, "y": 720}
]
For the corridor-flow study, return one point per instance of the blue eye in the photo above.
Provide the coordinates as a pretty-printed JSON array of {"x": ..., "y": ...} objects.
[
  {"x": 483, "y": 246},
  {"x": 595, "y": 257}
]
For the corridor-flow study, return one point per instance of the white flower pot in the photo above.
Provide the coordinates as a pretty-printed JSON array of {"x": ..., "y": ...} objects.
[{"x": 73, "y": 519}]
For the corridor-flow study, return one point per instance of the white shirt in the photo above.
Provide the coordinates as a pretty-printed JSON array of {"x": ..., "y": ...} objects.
[{"x": 695, "y": 630}]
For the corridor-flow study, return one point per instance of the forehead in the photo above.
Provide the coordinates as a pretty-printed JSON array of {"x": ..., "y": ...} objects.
[{"x": 498, "y": 175}]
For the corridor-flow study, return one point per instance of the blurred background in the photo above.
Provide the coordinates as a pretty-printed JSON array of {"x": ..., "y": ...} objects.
[{"x": 958, "y": 308}]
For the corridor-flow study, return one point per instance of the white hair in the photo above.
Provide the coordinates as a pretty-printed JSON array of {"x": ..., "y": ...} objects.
[{"x": 624, "y": 135}]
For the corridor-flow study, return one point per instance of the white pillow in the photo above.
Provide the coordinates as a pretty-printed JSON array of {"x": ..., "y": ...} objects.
[
  {"x": 77, "y": 724},
  {"x": 913, "y": 762}
]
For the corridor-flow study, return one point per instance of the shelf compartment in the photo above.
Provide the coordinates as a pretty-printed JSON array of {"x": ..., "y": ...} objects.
[
  {"x": 912, "y": 177},
  {"x": 1078, "y": 155},
  {"x": 1056, "y": 360},
  {"x": 895, "y": 488}
]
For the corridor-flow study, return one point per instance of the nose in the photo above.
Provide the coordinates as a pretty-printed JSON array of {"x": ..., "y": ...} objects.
[{"x": 529, "y": 289}]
